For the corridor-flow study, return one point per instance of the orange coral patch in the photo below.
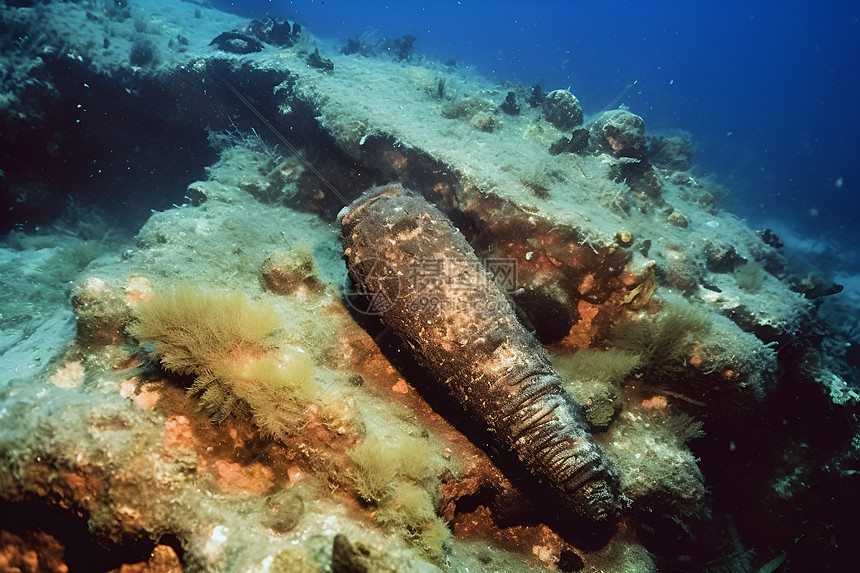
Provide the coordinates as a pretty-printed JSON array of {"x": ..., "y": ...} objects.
[
  {"x": 587, "y": 283},
  {"x": 696, "y": 358},
  {"x": 295, "y": 474},
  {"x": 629, "y": 279},
  {"x": 583, "y": 331},
  {"x": 69, "y": 376},
  {"x": 656, "y": 403},
  {"x": 178, "y": 434},
  {"x": 587, "y": 312},
  {"x": 254, "y": 479},
  {"x": 127, "y": 387},
  {"x": 147, "y": 400},
  {"x": 138, "y": 290}
]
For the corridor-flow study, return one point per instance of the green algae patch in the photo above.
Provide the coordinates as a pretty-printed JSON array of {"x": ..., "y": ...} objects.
[{"x": 228, "y": 342}]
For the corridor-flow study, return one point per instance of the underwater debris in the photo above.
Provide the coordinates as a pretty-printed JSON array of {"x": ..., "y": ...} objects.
[
  {"x": 479, "y": 112},
  {"x": 399, "y": 476},
  {"x": 562, "y": 279},
  {"x": 440, "y": 88},
  {"x": 814, "y": 286},
  {"x": 285, "y": 509},
  {"x": 624, "y": 238},
  {"x": 594, "y": 377},
  {"x": 143, "y": 53},
  {"x": 660, "y": 472},
  {"x": 665, "y": 339},
  {"x": 510, "y": 105},
  {"x": 577, "y": 143},
  {"x": 576, "y": 271},
  {"x": 236, "y": 43},
  {"x": 348, "y": 557},
  {"x": 468, "y": 337},
  {"x": 768, "y": 237},
  {"x": 677, "y": 218},
  {"x": 101, "y": 311},
  {"x": 722, "y": 258},
  {"x": 275, "y": 31},
  {"x": 695, "y": 356},
  {"x": 749, "y": 276},
  {"x": 358, "y": 46},
  {"x": 400, "y": 48},
  {"x": 317, "y": 61},
  {"x": 536, "y": 97}
]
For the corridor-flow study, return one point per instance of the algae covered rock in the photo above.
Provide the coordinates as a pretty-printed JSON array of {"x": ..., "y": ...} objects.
[
  {"x": 478, "y": 112},
  {"x": 672, "y": 151},
  {"x": 101, "y": 311},
  {"x": 319, "y": 447},
  {"x": 620, "y": 133},
  {"x": 594, "y": 378},
  {"x": 562, "y": 109},
  {"x": 291, "y": 271},
  {"x": 660, "y": 472}
]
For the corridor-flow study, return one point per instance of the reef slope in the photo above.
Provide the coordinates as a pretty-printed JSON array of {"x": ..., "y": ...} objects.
[{"x": 177, "y": 436}]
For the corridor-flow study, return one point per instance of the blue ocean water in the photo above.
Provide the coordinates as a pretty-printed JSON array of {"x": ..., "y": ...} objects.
[{"x": 768, "y": 90}]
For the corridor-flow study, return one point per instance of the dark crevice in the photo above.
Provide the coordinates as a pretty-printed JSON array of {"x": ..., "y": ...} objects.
[
  {"x": 126, "y": 144},
  {"x": 81, "y": 551}
]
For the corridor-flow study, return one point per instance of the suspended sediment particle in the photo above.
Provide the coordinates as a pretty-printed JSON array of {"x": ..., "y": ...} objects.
[{"x": 424, "y": 280}]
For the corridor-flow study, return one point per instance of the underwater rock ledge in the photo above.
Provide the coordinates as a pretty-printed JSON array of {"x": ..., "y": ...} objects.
[{"x": 177, "y": 435}]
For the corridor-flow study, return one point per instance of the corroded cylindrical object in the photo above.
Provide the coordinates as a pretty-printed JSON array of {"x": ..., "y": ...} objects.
[{"x": 430, "y": 289}]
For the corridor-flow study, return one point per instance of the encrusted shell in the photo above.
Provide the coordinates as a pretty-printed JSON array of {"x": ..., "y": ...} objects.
[{"x": 433, "y": 292}]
